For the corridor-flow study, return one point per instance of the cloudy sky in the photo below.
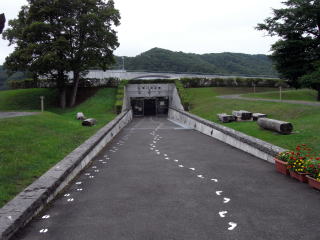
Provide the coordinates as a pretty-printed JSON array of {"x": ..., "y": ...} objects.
[{"x": 202, "y": 26}]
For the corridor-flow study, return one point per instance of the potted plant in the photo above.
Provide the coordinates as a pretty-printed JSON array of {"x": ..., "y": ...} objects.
[
  {"x": 281, "y": 162},
  {"x": 297, "y": 160},
  {"x": 313, "y": 168},
  {"x": 297, "y": 169}
]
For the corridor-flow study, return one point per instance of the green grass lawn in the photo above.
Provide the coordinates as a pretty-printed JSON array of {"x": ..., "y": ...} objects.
[
  {"x": 301, "y": 95},
  {"x": 30, "y": 145},
  {"x": 305, "y": 119},
  {"x": 27, "y": 99}
]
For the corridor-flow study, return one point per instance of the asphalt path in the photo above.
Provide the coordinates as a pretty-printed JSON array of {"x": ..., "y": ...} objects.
[
  {"x": 159, "y": 181},
  {"x": 16, "y": 114}
]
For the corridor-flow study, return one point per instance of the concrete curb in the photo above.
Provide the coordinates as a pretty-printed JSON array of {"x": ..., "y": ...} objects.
[
  {"x": 252, "y": 145},
  {"x": 19, "y": 211}
]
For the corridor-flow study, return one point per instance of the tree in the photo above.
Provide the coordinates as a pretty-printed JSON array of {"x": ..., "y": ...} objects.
[
  {"x": 298, "y": 26},
  {"x": 91, "y": 37},
  {"x": 313, "y": 79},
  {"x": 54, "y": 37}
]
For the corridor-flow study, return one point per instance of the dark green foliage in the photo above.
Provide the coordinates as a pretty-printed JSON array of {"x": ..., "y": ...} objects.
[
  {"x": 4, "y": 78},
  {"x": 229, "y": 82},
  {"x": 312, "y": 79},
  {"x": 24, "y": 83},
  {"x": 55, "y": 37},
  {"x": 298, "y": 26},
  {"x": 184, "y": 97},
  {"x": 161, "y": 60}
]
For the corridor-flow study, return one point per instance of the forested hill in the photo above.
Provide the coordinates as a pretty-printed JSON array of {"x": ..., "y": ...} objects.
[
  {"x": 4, "y": 77},
  {"x": 158, "y": 59}
]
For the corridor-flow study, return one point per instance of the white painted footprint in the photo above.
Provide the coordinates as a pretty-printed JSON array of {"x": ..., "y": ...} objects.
[
  {"x": 232, "y": 226},
  {"x": 223, "y": 214},
  {"x": 219, "y": 192},
  {"x": 44, "y": 230},
  {"x": 181, "y": 166},
  {"x": 192, "y": 169},
  {"x": 45, "y": 216},
  {"x": 226, "y": 200},
  {"x": 200, "y": 176},
  {"x": 213, "y": 179}
]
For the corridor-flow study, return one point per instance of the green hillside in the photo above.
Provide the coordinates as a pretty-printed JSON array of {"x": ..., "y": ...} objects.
[
  {"x": 158, "y": 59},
  {"x": 30, "y": 145}
]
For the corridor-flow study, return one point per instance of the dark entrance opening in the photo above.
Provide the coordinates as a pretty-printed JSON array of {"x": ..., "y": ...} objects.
[
  {"x": 149, "y": 107},
  {"x": 137, "y": 106}
]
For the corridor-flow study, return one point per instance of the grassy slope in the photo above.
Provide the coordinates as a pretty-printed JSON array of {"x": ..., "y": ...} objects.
[
  {"x": 305, "y": 119},
  {"x": 26, "y": 99},
  {"x": 29, "y": 146},
  {"x": 301, "y": 95}
]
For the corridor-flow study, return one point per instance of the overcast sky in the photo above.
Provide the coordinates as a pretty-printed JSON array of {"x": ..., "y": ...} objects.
[{"x": 202, "y": 26}]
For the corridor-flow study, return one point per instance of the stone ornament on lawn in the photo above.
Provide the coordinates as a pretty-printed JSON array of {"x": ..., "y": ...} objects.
[
  {"x": 256, "y": 116},
  {"x": 242, "y": 115},
  {"x": 275, "y": 125},
  {"x": 80, "y": 116},
  {"x": 89, "y": 122},
  {"x": 225, "y": 118}
]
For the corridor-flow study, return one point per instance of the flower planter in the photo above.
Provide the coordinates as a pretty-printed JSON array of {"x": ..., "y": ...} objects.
[
  {"x": 302, "y": 177},
  {"x": 313, "y": 182},
  {"x": 281, "y": 166}
]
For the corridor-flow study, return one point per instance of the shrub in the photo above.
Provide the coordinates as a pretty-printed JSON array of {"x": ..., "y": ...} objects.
[
  {"x": 120, "y": 95},
  {"x": 284, "y": 156},
  {"x": 313, "y": 167},
  {"x": 299, "y": 157},
  {"x": 185, "y": 99}
]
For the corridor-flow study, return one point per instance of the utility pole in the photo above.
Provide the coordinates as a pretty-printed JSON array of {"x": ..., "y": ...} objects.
[
  {"x": 42, "y": 103},
  {"x": 280, "y": 91}
]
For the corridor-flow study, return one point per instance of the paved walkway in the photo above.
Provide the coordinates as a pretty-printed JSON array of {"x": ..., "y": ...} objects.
[
  {"x": 158, "y": 181},
  {"x": 238, "y": 96},
  {"x": 16, "y": 114}
]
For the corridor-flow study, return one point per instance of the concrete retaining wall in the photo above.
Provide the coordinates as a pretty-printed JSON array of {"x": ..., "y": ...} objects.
[
  {"x": 35, "y": 197},
  {"x": 175, "y": 100},
  {"x": 254, "y": 146},
  {"x": 126, "y": 101}
]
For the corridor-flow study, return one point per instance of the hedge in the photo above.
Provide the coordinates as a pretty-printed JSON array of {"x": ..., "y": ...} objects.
[
  {"x": 120, "y": 96},
  {"x": 230, "y": 82}
]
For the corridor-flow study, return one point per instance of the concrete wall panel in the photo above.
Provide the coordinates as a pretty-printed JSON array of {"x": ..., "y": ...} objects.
[{"x": 254, "y": 146}]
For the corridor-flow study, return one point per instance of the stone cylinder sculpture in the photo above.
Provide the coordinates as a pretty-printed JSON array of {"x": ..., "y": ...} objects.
[{"x": 275, "y": 125}]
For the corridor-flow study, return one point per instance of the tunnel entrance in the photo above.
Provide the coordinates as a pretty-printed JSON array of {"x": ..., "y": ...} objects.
[{"x": 150, "y": 106}]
